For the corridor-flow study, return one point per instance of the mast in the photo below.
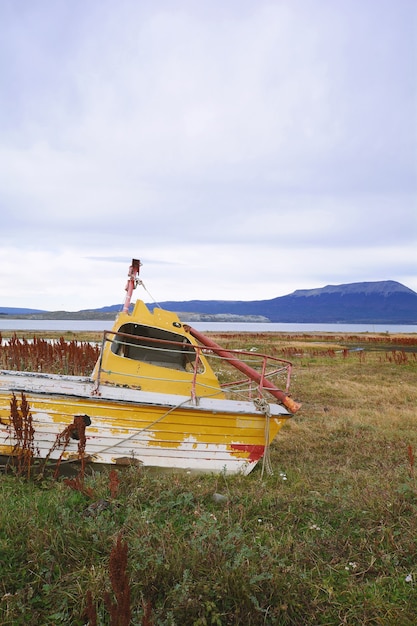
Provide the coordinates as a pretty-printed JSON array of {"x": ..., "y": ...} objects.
[{"x": 132, "y": 283}]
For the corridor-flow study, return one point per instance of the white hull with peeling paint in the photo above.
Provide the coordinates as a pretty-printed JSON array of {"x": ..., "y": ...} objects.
[{"x": 128, "y": 425}]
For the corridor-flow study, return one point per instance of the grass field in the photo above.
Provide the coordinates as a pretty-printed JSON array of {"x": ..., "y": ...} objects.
[{"x": 328, "y": 538}]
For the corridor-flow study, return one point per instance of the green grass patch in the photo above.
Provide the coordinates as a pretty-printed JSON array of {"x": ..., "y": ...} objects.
[{"x": 328, "y": 538}]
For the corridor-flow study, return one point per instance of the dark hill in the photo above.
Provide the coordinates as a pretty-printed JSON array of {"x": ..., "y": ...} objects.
[
  {"x": 7, "y": 310},
  {"x": 384, "y": 302}
]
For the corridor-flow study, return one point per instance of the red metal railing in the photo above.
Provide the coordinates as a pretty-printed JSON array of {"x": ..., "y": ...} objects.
[{"x": 257, "y": 380}]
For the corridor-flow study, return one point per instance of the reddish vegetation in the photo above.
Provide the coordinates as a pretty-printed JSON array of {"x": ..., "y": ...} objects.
[
  {"x": 22, "y": 430},
  {"x": 400, "y": 349},
  {"x": 39, "y": 355},
  {"x": 90, "y": 610},
  {"x": 113, "y": 483},
  {"x": 400, "y": 357},
  {"x": 367, "y": 338},
  {"x": 119, "y": 610}
]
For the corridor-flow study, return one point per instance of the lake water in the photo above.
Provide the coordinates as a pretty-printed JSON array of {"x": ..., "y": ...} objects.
[{"x": 100, "y": 325}]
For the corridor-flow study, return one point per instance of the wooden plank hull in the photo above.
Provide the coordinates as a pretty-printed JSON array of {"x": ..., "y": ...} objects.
[{"x": 128, "y": 425}]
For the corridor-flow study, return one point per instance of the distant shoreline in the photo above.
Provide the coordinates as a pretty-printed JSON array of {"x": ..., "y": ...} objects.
[
  {"x": 69, "y": 325},
  {"x": 111, "y": 315},
  {"x": 215, "y": 318}
]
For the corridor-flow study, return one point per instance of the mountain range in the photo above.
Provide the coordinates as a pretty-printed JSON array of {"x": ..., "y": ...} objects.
[
  {"x": 382, "y": 302},
  {"x": 369, "y": 302}
]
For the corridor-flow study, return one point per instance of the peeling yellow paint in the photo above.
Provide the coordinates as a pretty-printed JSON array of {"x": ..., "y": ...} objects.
[
  {"x": 6, "y": 449},
  {"x": 119, "y": 370}
]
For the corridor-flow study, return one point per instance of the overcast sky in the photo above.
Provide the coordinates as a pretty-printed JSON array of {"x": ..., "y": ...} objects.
[{"x": 241, "y": 149}]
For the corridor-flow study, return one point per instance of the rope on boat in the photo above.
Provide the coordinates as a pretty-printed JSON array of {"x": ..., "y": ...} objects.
[
  {"x": 262, "y": 405},
  {"x": 142, "y": 284}
]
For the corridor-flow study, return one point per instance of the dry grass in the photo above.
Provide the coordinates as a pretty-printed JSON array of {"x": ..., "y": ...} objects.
[{"x": 328, "y": 539}]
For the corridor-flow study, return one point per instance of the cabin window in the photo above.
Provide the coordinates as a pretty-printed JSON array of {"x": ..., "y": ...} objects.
[{"x": 147, "y": 344}]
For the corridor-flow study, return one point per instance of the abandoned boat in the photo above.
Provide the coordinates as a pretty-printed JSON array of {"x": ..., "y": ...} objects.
[{"x": 161, "y": 395}]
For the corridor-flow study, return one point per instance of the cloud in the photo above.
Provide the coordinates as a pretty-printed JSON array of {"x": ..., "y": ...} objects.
[{"x": 202, "y": 135}]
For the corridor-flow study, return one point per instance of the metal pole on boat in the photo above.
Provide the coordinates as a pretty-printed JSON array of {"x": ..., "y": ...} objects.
[
  {"x": 288, "y": 402},
  {"x": 132, "y": 282}
]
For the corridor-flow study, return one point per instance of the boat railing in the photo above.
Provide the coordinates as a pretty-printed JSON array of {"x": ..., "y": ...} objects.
[{"x": 191, "y": 358}]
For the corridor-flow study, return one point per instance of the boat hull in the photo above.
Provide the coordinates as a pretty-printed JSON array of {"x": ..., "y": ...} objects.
[{"x": 132, "y": 426}]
